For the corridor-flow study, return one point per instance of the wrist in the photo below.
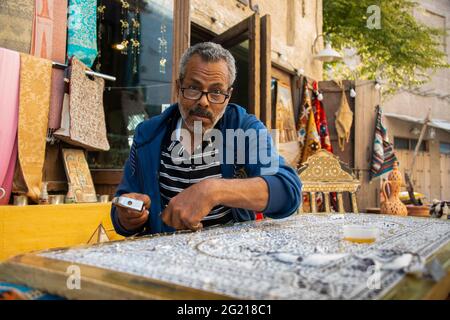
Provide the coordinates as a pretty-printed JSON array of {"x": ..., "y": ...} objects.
[
  {"x": 214, "y": 189},
  {"x": 128, "y": 228}
]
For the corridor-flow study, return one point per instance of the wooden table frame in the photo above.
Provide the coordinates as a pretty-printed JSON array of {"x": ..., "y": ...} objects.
[{"x": 51, "y": 275}]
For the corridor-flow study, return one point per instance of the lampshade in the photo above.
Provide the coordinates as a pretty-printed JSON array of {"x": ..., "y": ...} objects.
[{"x": 328, "y": 54}]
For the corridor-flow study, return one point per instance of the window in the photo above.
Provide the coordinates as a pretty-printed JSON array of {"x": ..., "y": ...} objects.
[
  {"x": 444, "y": 148},
  {"x": 144, "y": 81},
  {"x": 401, "y": 143},
  {"x": 408, "y": 144},
  {"x": 413, "y": 143}
]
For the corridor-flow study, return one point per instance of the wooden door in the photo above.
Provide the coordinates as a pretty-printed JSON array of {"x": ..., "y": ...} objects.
[
  {"x": 421, "y": 178},
  {"x": 367, "y": 98},
  {"x": 248, "y": 29}
]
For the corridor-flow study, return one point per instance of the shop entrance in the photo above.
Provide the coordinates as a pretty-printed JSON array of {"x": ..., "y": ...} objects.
[
  {"x": 240, "y": 53},
  {"x": 249, "y": 42}
]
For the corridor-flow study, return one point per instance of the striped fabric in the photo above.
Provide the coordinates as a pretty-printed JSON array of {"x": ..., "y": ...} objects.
[
  {"x": 383, "y": 156},
  {"x": 133, "y": 158},
  {"x": 178, "y": 172}
]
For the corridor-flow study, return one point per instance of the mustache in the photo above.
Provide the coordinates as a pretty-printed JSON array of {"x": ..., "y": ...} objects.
[{"x": 199, "y": 111}]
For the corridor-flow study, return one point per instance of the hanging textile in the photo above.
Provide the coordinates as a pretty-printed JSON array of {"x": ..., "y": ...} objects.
[
  {"x": 305, "y": 108},
  {"x": 9, "y": 104},
  {"x": 49, "y": 30},
  {"x": 7, "y": 183},
  {"x": 312, "y": 141},
  {"x": 56, "y": 100},
  {"x": 321, "y": 122},
  {"x": 344, "y": 119},
  {"x": 34, "y": 101},
  {"x": 16, "y": 20},
  {"x": 42, "y": 37},
  {"x": 49, "y": 42},
  {"x": 84, "y": 117},
  {"x": 82, "y": 25},
  {"x": 383, "y": 155},
  {"x": 325, "y": 140}
]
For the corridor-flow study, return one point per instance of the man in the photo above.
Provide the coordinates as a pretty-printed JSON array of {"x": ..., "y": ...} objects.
[{"x": 191, "y": 183}]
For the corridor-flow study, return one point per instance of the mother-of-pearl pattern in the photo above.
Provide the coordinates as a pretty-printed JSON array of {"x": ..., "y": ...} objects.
[{"x": 269, "y": 259}]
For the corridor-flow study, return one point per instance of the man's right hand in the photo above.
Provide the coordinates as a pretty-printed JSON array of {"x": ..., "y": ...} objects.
[{"x": 133, "y": 220}]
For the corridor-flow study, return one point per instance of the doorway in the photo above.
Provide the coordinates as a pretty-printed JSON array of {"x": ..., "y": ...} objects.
[{"x": 240, "y": 53}]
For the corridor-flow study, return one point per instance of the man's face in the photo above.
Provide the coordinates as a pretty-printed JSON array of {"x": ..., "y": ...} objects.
[{"x": 203, "y": 76}]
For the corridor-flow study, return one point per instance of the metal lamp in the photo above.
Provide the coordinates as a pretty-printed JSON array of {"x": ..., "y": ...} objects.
[{"x": 327, "y": 54}]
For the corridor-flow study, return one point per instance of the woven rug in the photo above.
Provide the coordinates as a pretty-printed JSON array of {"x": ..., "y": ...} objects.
[{"x": 301, "y": 257}]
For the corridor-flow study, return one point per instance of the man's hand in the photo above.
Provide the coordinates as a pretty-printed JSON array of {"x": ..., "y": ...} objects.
[
  {"x": 133, "y": 220},
  {"x": 187, "y": 209}
]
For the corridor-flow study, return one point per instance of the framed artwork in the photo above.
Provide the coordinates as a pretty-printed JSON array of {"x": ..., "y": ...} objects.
[
  {"x": 287, "y": 137},
  {"x": 78, "y": 174}
]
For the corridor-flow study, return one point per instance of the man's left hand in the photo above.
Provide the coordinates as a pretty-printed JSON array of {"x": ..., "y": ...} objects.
[{"x": 187, "y": 209}]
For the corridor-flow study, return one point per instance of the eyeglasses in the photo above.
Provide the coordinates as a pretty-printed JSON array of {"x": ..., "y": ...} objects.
[{"x": 212, "y": 96}]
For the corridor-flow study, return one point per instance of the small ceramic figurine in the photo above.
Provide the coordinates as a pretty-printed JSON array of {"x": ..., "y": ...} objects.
[{"x": 392, "y": 203}]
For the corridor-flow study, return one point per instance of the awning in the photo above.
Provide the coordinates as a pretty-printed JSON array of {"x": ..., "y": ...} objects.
[{"x": 436, "y": 123}]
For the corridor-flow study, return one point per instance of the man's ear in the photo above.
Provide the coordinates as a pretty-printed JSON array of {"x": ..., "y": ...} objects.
[
  {"x": 178, "y": 86},
  {"x": 229, "y": 93}
]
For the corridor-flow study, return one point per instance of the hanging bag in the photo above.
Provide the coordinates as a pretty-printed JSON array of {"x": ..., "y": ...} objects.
[{"x": 83, "y": 116}]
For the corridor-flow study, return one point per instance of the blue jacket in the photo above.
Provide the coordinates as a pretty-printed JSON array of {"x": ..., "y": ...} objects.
[{"x": 141, "y": 170}]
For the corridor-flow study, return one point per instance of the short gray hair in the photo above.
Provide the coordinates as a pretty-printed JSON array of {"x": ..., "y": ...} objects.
[{"x": 209, "y": 52}]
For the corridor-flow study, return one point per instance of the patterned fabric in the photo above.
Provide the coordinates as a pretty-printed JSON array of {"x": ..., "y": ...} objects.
[
  {"x": 302, "y": 122},
  {"x": 383, "y": 156},
  {"x": 42, "y": 37},
  {"x": 322, "y": 123},
  {"x": 312, "y": 143},
  {"x": 49, "y": 30},
  {"x": 49, "y": 42},
  {"x": 16, "y": 20},
  {"x": 10, "y": 291},
  {"x": 34, "y": 101},
  {"x": 9, "y": 106},
  {"x": 82, "y": 24},
  {"x": 87, "y": 117},
  {"x": 344, "y": 119}
]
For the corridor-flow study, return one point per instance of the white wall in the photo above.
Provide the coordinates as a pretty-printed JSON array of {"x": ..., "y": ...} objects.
[{"x": 434, "y": 13}]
